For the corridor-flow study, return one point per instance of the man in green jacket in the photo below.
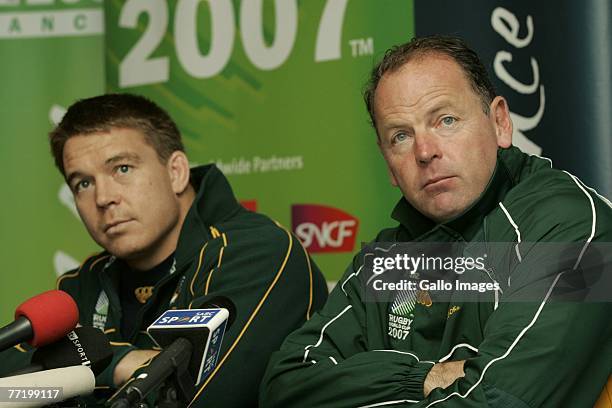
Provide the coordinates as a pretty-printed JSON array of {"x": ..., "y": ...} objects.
[
  {"x": 173, "y": 238},
  {"x": 528, "y": 341}
]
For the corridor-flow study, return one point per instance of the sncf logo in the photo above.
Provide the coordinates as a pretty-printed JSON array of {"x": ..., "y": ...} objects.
[{"x": 324, "y": 229}]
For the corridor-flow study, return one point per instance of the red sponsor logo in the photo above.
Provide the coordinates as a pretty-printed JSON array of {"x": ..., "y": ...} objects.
[
  {"x": 249, "y": 204},
  {"x": 324, "y": 229}
]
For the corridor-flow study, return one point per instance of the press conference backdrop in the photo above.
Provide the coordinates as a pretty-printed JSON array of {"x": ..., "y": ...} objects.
[{"x": 271, "y": 92}]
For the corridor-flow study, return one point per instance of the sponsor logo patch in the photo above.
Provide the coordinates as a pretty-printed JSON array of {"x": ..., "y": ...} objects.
[
  {"x": 143, "y": 293},
  {"x": 453, "y": 310}
]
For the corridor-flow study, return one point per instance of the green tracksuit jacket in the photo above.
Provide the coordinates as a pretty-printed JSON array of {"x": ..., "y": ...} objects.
[
  {"x": 226, "y": 250},
  {"x": 523, "y": 348}
]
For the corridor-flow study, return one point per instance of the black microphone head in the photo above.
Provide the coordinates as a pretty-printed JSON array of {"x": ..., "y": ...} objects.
[
  {"x": 222, "y": 302},
  {"x": 83, "y": 346}
]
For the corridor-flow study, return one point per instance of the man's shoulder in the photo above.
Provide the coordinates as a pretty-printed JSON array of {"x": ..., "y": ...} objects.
[
  {"x": 87, "y": 271},
  {"x": 255, "y": 232},
  {"x": 248, "y": 221},
  {"x": 387, "y": 234},
  {"x": 382, "y": 241},
  {"x": 555, "y": 202}
]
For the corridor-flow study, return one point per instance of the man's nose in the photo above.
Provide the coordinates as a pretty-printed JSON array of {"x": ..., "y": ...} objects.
[
  {"x": 107, "y": 193},
  {"x": 426, "y": 148}
]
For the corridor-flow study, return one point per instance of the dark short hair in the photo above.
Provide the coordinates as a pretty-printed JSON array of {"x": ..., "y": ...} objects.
[
  {"x": 105, "y": 112},
  {"x": 453, "y": 47}
]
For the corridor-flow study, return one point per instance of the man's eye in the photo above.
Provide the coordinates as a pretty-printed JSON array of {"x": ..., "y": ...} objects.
[
  {"x": 124, "y": 168},
  {"x": 399, "y": 137},
  {"x": 448, "y": 121},
  {"x": 81, "y": 185}
]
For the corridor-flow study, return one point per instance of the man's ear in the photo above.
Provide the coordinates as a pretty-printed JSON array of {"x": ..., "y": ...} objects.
[
  {"x": 500, "y": 115},
  {"x": 392, "y": 178},
  {"x": 178, "y": 169}
]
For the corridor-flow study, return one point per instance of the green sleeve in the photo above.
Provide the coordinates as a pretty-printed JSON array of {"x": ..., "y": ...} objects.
[
  {"x": 552, "y": 353},
  {"x": 548, "y": 343},
  {"x": 15, "y": 358},
  {"x": 330, "y": 363},
  {"x": 275, "y": 288},
  {"x": 72, "y": 287},
  {"x": 105, "y": 378}
]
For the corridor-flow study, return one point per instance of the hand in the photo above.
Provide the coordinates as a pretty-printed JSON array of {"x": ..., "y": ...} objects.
[
  {"x": 442, "y": 375},
  {"x": 130, "y": 363}
]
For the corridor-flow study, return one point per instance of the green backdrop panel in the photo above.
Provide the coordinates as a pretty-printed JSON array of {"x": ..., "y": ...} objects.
[{"x": 271, "y": 91}]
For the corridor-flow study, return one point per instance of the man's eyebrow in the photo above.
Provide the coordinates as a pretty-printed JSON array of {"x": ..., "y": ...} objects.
[
  {"x": 395, "y": 124},
  {"x": 435, "y": 109},
  {"x": 72, "y": 176},
  {"x": 124, "y": 156},
  {"x": 439, "y": 107}
]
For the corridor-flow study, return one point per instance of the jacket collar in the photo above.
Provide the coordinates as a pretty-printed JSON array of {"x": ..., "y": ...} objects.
[
  {"x": 214, "y": 203},
  {"x": 507, "y": 171}
]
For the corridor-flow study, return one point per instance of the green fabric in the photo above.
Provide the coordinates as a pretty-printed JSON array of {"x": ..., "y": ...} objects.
[
  {"x": 257, "y": 256},
  {"x": 538, "y": 353}
]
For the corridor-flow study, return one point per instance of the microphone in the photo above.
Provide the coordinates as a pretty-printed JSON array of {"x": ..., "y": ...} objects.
[
  {"x": 55, "y": 385},
  {"x": 86, "y": 346},
  {"x": 40, "y": 320},
  {"x": 191, "y": 341}
]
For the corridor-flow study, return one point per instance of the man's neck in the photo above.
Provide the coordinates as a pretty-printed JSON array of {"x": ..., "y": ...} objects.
[{"x": 149, "y": 259}]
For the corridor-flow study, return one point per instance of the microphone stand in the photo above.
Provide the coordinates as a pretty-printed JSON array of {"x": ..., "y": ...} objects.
[
  {"x": 181, "y": 388},
  {"x": 178, "y": 391},
  {"x": 167, "y": 398}
]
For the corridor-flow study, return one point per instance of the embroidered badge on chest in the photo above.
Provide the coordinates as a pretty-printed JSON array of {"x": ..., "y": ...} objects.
[
  {"x": 101, "y": 312},
  {"x": 143, "y": 293},
  {"x": 401, "y": 314}
]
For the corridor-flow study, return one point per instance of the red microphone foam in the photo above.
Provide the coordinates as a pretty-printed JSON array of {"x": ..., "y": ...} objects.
[{"x": 52, "y": 314}]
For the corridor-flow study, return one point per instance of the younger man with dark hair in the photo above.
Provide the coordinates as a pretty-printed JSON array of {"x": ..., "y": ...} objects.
[{"x": 174, "y": 237}]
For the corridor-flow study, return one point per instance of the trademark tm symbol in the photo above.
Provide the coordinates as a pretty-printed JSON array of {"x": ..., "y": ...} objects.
[{"x": 362, "y": 46}]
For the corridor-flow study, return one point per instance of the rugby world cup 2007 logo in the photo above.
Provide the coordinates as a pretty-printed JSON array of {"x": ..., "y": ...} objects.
[{"x": 401, "y": 311}]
